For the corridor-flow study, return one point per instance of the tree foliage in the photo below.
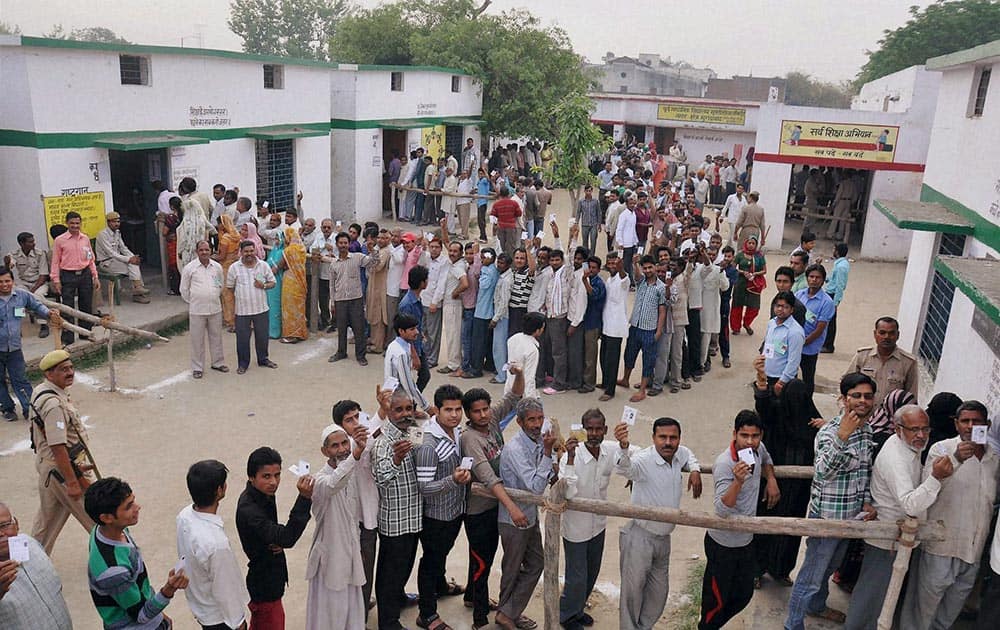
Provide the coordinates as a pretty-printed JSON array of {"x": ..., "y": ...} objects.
[
  {"x": 576, "y": 140},
  {"x": 940, "y": 28},
  {"x": 9, "y": 29},
  {"x": 524, "y": 69},
  {"x": 802, "y": 89},
  {"x": 87, "y": 34},
  {"x": 286, "y": 28}
]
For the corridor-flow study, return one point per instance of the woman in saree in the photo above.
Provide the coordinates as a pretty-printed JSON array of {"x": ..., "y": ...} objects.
[
  {"x": 752, "y": 267},
  {"x": 229, "y": 252},
  {"x": 193, "y": 228},
  {"x": 248, "y": 232},
  {"x": 274, "y": 259},
  {"x": 293, "y": 289},
  {"x": 171, "y": 222}
]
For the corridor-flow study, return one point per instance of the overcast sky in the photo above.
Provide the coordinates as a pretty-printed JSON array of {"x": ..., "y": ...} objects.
[{"x": 826, "y": 38}]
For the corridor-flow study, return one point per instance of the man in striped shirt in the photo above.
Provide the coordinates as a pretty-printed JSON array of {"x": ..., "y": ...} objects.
[
  {"x": 442, "y": 482},
  {"x": 249, "y": 280}
]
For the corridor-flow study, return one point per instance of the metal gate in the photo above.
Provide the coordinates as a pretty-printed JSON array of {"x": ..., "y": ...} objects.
[
  {"x": 453, "y": 142},
  {"x": 939, "y": 307},
  {"x": 276, "y": 173}
]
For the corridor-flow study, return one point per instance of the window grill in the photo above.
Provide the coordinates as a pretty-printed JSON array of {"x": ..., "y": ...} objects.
[
  {"x": 939, "y": 307},
  {"x": 276, "y": 173}
]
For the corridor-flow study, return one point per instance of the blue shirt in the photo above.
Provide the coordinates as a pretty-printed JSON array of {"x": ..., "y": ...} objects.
[
  {"x": 836, "y": 284},
  {"x": 733, "y": 274},
  {"x": 13, "y": 310},
  {"x": 819, "y": 308},
  {"x": 783, "y": 349},
  {"x": 594, "y": 317},
  {"x": 524, "y": 466},
  {"x": 482, "y": 188},
  {"x": 487, "y": 285},
  {"x": 411, "y": 305}
]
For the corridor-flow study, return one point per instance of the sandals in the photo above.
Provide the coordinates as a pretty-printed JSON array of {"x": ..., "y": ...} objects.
[
  {"x": 525, "y": 623},
  {"x": 830, "y": 614},
  {"x": 453, "y": 589},
  {"x": 431, "y": 625}
]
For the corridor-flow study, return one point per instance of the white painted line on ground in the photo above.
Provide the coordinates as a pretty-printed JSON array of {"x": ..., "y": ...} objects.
[
  {"x": 16, "y": 447},
  {"x": 167, "y": 382},
  {"x": 609, "y": 590},
  {"x": 87, "y": 380},
  {"x": 317, "y": 350}
]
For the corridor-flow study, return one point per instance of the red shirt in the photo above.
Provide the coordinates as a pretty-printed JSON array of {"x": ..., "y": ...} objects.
[{"x": 506, "y": 211}]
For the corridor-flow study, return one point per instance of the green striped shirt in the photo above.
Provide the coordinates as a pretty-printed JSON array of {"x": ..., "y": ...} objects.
[{"x": 120, "y": 586}]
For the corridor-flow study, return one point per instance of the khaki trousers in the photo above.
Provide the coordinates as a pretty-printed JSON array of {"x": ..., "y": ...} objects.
[
  {"x": 55, "y": 509},
  {"x": 463, "y": 220},
  {"x": 200, "y": 327}
]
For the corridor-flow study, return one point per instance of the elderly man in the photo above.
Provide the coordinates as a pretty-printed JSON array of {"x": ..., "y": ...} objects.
[
  {"x": 324, "y": 244},
  {"x": 334, "y": 568},
  {"x": 890, "y": 366},
  {"x": 31, "y": 272},
  {"x": 62, "y": 459},
  {"x": 525, "y": 464},
  {"x": 644, "y": 546},
  {"x": 201, "y": 288},
  {"x": 14, "y": 304},
  {"x": 400, "y": 514},
  {"x": 115, "y": 258},
  {"x": 30, "y": 590},
  {"x": 945, "y": 571},
  {"x": 897, "y": 492}
]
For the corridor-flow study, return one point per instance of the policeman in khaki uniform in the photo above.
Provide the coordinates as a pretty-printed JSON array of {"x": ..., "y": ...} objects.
[
  {"x": 31, "y": 271},
  {"x": 63, "y": 461},
  {"x": 891, "y": 367}
]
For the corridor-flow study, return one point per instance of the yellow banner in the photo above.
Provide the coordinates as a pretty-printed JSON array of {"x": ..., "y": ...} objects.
[
  {"x": 432, "y": 139},
  {"x": 701, "y": 114},
  {"x": 90, "y": 206},
  {"x": 857, "y": 143}
]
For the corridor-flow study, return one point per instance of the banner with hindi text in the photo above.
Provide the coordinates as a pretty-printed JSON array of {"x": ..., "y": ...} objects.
[{"x": 821, "y": 140}]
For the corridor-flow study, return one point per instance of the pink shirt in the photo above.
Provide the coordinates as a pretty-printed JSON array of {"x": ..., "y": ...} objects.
[
  {"x": 409, "y": 262},
  {"x": 72, "y": 254}
]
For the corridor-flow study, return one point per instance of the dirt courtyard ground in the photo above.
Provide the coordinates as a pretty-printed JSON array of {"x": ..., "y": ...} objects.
[{"x": 163, "y": 420}]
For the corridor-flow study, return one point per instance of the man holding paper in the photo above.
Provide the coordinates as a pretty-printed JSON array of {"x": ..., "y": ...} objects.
[
  {"x": 586, "y": 466},
  {"x": 728, "y": 584}
]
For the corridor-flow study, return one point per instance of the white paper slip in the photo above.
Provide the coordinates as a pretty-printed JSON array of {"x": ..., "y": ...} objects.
[
  {"x": 979, "y": 433},
  {"x": 18, "y": 548},
  {"x": 659, "y": 234},
  {"x": 638, "y": 250},
  {"x": 340, "y": 224},
  {"x": 629, "y": 414},
  {"x": 552, "y": 218},
  {"x": 466, "y": 463},
  {"x": 547, "y": 426},
  {"x": 572, "y": 220},
  {"x": 390, "y": 384},
  {"x": 505, "y": 368},
  {"x": 294, "y": 469},
  {"x": 304, "y": 467},
  {"x": 493, "y": 219},
  {"x": 180, "y": 566},
  {"x": 524, "y": 236},
  {"x": 577, "y": 431},
  {"x": 747, "y": 457},
  {"x": 428, "y": 236},
  {"x": 860, "y": 516},
  {"x": 540, "y": 235},
  {"x": 768, "y": 350},
  {"x": 267, "y": 204},
  {"x": 414, "y": 435}
]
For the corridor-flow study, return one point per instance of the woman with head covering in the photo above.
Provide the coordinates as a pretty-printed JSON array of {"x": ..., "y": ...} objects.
[
  {"x": 293, "y": 289},
  {"x": 248, "y": 232},
  {"x": 753, "y": 268},
  {"x": 790, "y": 424},
  {"x": 229, "y": 252},
  {"x": 275, "y": 256},
  {"x": 882, "y": 421},
  {"x": 171, "y": 221},
  {"x": 193, "y": 228},
  {"x": 941, "y": 411}
]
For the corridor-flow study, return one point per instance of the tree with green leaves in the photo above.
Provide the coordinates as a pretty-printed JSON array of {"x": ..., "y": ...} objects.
[
  {"x": 940, "y": 28},
  {"x": 523, "y": 68},
  {"x": 287, "y": 28},
  {"x": 9, "y": 29},
  {"x": 802, "y": 89},
  {"x": 577, "y": 139},
  {"x": 87, "y": 34}
]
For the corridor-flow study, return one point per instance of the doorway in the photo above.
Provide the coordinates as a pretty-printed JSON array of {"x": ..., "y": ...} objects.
[
  {"x": 664, "y": 138},
  {"x": 636, "y": 133},
  {"x": 393, "y": 143},
  {"x": 133, "y": 197}
]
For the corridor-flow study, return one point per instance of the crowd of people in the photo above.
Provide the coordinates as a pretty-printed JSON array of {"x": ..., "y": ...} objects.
[{"x": 540, "y": 319}]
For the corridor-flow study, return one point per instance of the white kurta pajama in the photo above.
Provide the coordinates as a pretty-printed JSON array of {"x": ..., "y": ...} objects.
[{"x": 334, "y": 568}]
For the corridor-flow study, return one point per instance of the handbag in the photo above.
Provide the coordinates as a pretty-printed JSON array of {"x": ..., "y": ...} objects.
[{"x": 757, "y": 284}]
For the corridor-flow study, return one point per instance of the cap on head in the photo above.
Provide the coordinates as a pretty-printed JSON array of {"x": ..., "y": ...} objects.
[
  {"x": 330, "y": 430},
  {"x": 408, "y": 237},
  {"x": 113, "y": 216},
  {"x": 53, "y": 359}
]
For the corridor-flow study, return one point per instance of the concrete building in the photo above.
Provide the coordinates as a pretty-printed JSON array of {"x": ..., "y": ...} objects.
[
  {"x": 737, "y": 88},
  {"x": 650, "y": 74},
  {"x": 79, "y": 118},
  {"x": 949, "y": 310}
]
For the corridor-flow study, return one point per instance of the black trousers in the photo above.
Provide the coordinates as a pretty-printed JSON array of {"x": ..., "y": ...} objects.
[
  {"x": 395, "y": 563},
  {"x": 480, "y": 337},
  {"x": 831, "y": 331},
  {"x": 423, "y": 372},
  {"x": 436, "y": 539},
  {"x": 691, "y": 366},
  {"x": 481, "y": 220},
  {"x": 77, "y": 292},
  {"x": 351, "y": 312},
  {"x": 515, "y": 320},
  {"x": 611, "y": 356},
  {"x": 727, "y": 587},
  {"x": 369, "y": 539},
  {"x": 484, "y": 537},
  {"x": 244, "y": 325},
  {"x": 574, "y": 358},
  {"x": 323, "y": 297},
  {"x": 808, "y": 367}
]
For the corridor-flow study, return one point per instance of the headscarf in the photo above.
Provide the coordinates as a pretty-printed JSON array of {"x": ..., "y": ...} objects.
[
  {"x": 292, "y": 236},
  {"x": 193, "y": 228},
  {"x": 797, "y": 409},
  {"x": 255, "y": 238},
  {"x": 941, "y": 411},
  {"x": 226, "y": 225},
  {"x": 882, "y": 421},
  {"x": 748, "y": 251}
]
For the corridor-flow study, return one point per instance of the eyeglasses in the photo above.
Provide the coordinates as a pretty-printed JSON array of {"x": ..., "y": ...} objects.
[
  {"x": 920, "y": 430},
  {"x": 860, "y": 395},
  {"x": 9, "y": 524}
]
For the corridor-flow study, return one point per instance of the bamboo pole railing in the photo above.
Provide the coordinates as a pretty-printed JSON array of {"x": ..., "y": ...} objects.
[
  {"x": 103, "y": 321},
  {"x": 555, "y": 503}
]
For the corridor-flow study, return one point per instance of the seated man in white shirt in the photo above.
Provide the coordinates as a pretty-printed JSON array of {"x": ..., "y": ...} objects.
[{"x": 216, "y": 592}]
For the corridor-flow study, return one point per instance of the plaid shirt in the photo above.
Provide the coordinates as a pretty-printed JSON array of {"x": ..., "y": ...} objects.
[
  {"x": 648, "y": 300},
  {"x": 400, "y": 508},
  {"x": 842, "y": 477},
  {"x": 437, "y": 458}
]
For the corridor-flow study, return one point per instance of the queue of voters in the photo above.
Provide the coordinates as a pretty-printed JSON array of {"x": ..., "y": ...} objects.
[{"x": 507, "y": 308}]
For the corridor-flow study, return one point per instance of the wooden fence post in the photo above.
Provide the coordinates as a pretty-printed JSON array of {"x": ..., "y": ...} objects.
[
  {"x": 904, "y": 547},
  {"x": 555, "y": 505},
  {"x": 111, "y": 337},
  {"x": 313, "y": 305}
]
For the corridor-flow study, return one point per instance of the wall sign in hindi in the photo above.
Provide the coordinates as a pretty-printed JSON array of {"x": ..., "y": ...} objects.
[
  {"x": 426, "y": 109},
  {"x": 90, "y": 205},
  {"x": 208, "y": 116},
  {"x": 860, "y": 143},
  {"x": 701, "y": 114}
]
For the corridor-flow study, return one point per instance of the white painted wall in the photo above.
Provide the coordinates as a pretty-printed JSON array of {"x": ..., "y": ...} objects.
[
  {"x": 882, "y": 239},
  {"x": 899, "y": 91},
  {"x": 916, "y": 288},
  {"x": 229, "y": 162},
  {"x": 967, "y": 362},
  {"x": 20, "y": 207},
  {"x": 698, "y": 143},
  {"x": 424, "y": 94},
  {"x": 641, "y": 110},
  {"x": 771, "y": 181}
]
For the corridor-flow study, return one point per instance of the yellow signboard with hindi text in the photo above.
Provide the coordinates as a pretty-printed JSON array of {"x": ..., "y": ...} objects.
[
  {"x": 701, "y": 114},
  {"x": 90, "y": 206},
  {"x": 835, "y": 141},
  {"x": 432, "y": 139}
]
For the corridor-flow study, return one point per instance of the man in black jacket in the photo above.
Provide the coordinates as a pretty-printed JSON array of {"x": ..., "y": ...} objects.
[{"x": 264, "y": 539}]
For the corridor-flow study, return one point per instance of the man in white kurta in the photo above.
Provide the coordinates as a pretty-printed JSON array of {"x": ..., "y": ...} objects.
[{"x": 334, "y": 568}]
